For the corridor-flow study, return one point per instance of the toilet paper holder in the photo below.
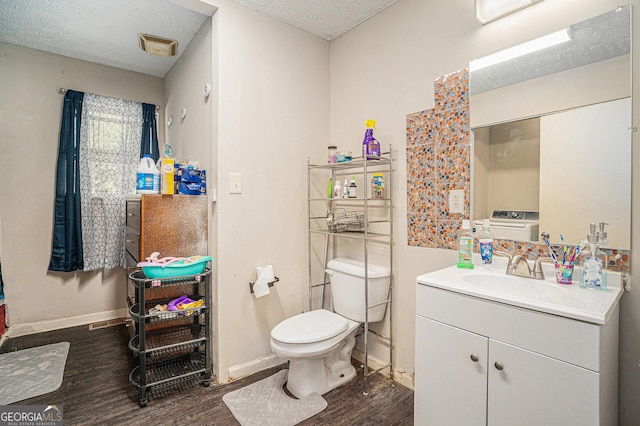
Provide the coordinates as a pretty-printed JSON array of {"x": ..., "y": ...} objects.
[{"x": 270, "y": 284}]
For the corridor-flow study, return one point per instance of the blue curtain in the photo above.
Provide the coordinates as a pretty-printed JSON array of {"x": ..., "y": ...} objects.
[
  {"x": 149, "y": 143},
  {"x": 66, "y": 250}
]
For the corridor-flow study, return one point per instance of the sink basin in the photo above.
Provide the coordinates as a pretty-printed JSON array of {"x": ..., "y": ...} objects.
[{"x": 516, "y": 286}]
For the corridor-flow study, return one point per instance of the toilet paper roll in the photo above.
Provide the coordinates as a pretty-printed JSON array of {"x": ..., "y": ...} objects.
[
  {"x": 261, "y": 286},
  {"x": 267, "y": 272}
]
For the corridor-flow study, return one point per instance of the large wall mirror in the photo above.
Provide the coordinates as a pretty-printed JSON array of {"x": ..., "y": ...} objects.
[{"x": 552, "y": 131}]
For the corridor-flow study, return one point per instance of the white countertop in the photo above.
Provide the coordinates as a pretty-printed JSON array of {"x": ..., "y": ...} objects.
[{"x": 570, "y": 301}]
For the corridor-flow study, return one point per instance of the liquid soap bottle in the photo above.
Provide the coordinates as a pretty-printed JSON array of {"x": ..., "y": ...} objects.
[
  {"x": 485, "y": 244},
  {"x": 602, "y": 235},
  {"x": 593, "y": 263}
]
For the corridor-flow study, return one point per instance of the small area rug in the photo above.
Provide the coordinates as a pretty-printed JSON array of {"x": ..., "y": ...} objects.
[
  {"x": 265, "y": 403},
  {"x": 31, "y": 372}
]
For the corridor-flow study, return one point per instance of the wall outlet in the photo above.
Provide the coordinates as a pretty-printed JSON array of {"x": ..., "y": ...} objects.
[{"x": 456, "y": 201}]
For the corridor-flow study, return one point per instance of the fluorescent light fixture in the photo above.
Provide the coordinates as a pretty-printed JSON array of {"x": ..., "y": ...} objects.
[
  {"x": 535, "y": 45},
  {"x": 158, "y": 45},
  {"x": 490, "y": 10}
]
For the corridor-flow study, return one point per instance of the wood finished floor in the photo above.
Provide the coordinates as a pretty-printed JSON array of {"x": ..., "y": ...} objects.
[{"x": 96, "y": 390}]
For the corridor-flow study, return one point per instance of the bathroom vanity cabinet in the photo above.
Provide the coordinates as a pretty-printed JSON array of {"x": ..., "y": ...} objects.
[{"x": 481, "y": 362}]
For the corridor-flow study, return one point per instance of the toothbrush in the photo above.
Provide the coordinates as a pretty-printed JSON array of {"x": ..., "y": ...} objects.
[
  {"x": 553, "y": 255},
  {"x": 564, "y": 250},
  {"x": 577, "y": 251}
]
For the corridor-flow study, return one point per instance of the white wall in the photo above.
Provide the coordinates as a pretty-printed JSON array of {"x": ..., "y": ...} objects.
[
  {"x": 385, "y": 69},
  {"x": 184, "y": 84},
  {"x": 30, "y": 110},
  {"x": 193, "y": 138},
  {"x": 273, "y": 112}
]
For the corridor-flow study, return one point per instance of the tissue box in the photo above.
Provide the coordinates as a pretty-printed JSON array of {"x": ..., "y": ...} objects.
[{"x": 193, "y": 182}]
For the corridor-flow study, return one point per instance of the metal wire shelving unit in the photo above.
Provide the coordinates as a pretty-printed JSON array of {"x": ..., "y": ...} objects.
[{"x": 367, "y": 230}]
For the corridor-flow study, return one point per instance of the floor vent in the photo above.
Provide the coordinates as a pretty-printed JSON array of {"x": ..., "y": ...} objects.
[{"x": 105, "y": 324}]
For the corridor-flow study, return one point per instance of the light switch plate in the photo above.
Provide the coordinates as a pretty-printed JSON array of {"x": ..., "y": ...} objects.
[
  {"x": 235, "y": 183},
  {"x": 456, "y": 201}
]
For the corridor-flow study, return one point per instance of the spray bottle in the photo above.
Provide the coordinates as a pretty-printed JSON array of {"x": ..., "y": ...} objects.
[{"x": 370, "y": 146}]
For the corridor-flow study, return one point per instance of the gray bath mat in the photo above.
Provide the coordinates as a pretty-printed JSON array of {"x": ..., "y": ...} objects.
[
  {"x": 265, "y": 403},
  {"x": 31, "y": 372}
]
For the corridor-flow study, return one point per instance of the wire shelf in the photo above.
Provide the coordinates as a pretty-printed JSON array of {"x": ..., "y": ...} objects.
[
  {"x": 171, "y": 370},
  {"x": 341, "y": 220}
]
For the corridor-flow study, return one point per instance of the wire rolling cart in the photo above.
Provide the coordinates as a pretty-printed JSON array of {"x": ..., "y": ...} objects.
[{"x": 171, "y": 347}]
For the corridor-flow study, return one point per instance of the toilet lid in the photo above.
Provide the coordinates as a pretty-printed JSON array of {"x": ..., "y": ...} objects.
[{"x": 310, "y": 327}]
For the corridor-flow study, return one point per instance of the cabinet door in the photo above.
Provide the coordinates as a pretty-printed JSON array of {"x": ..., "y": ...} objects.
[
  {"x": 451, "y": 388},
  {"x": 532, "y": 389}
]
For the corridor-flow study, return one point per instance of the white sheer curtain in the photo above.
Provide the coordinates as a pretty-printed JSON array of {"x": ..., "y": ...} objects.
[{"x": 109, "y": 155}]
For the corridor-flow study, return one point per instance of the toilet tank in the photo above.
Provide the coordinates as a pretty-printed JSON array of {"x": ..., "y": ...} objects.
[{"x": 347, "y": 288}]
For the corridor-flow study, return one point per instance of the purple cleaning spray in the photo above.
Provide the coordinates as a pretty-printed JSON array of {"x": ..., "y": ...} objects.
[{"x": 370, "y": 146}]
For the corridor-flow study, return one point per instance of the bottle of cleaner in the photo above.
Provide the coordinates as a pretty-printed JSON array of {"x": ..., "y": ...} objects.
[
  {"x": 337, "y": 190},
  {"x": 147, "y": 176},
  {"x": 345, "y": 189},
  {"x": 485, "y": 244},
  {"x": 377, "y": 186},
  {"x": 593, "y": 263},
  {"x": 352, "y": 187},
  {"x": 465, "y": 246},
  {"x": 370, "y": 146}
]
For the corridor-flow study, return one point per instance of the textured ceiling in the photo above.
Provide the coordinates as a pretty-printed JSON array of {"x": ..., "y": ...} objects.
[
  {"x": 106, "y": 31},
  {"x": 328, "y": 19},
  {"x": 597, "y": 39},
  {"x": 100, "y": 31}
]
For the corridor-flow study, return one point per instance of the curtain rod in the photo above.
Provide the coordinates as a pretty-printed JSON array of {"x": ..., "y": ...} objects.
[{"x": 62, "y": 91}]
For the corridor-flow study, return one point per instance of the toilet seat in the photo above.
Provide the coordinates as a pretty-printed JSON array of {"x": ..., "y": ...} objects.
[{"x": 310, "y": 327}]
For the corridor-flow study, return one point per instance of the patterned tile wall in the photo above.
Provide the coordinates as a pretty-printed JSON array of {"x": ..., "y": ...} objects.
[
  {"x": 438, "y": 158},
  {"x": 438, "y": 161}
]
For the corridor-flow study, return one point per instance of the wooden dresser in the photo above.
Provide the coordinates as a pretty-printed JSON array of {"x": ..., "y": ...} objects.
[{"x": 173, "y": 225}]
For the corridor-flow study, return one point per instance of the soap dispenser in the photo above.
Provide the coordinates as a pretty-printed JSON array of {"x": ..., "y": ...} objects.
[
  {"x": 602, "y": 235},
  {"x": 593, "y": 263}
]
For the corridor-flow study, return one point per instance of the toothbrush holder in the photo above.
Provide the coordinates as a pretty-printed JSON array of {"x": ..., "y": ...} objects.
[{"x": 564, "y": 273}]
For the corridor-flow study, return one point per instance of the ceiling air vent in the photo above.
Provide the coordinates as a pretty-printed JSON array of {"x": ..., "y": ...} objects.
[{"x": 158, "y": 45}]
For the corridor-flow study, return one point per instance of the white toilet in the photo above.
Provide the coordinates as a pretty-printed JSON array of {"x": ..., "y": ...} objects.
[{"x": 318, "y": 343}]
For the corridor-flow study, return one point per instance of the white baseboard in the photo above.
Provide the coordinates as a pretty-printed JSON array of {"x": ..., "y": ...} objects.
[
  {"x": 254, "y": 366},
  {"x": 49, "y": 325}
]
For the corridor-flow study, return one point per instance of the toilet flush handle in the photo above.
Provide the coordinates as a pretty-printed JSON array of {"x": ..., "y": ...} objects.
[{"x": 328, "y": 272}]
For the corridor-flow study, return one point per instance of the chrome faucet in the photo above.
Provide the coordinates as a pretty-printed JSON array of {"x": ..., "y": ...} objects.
[{"x": 519, "y": 266}]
